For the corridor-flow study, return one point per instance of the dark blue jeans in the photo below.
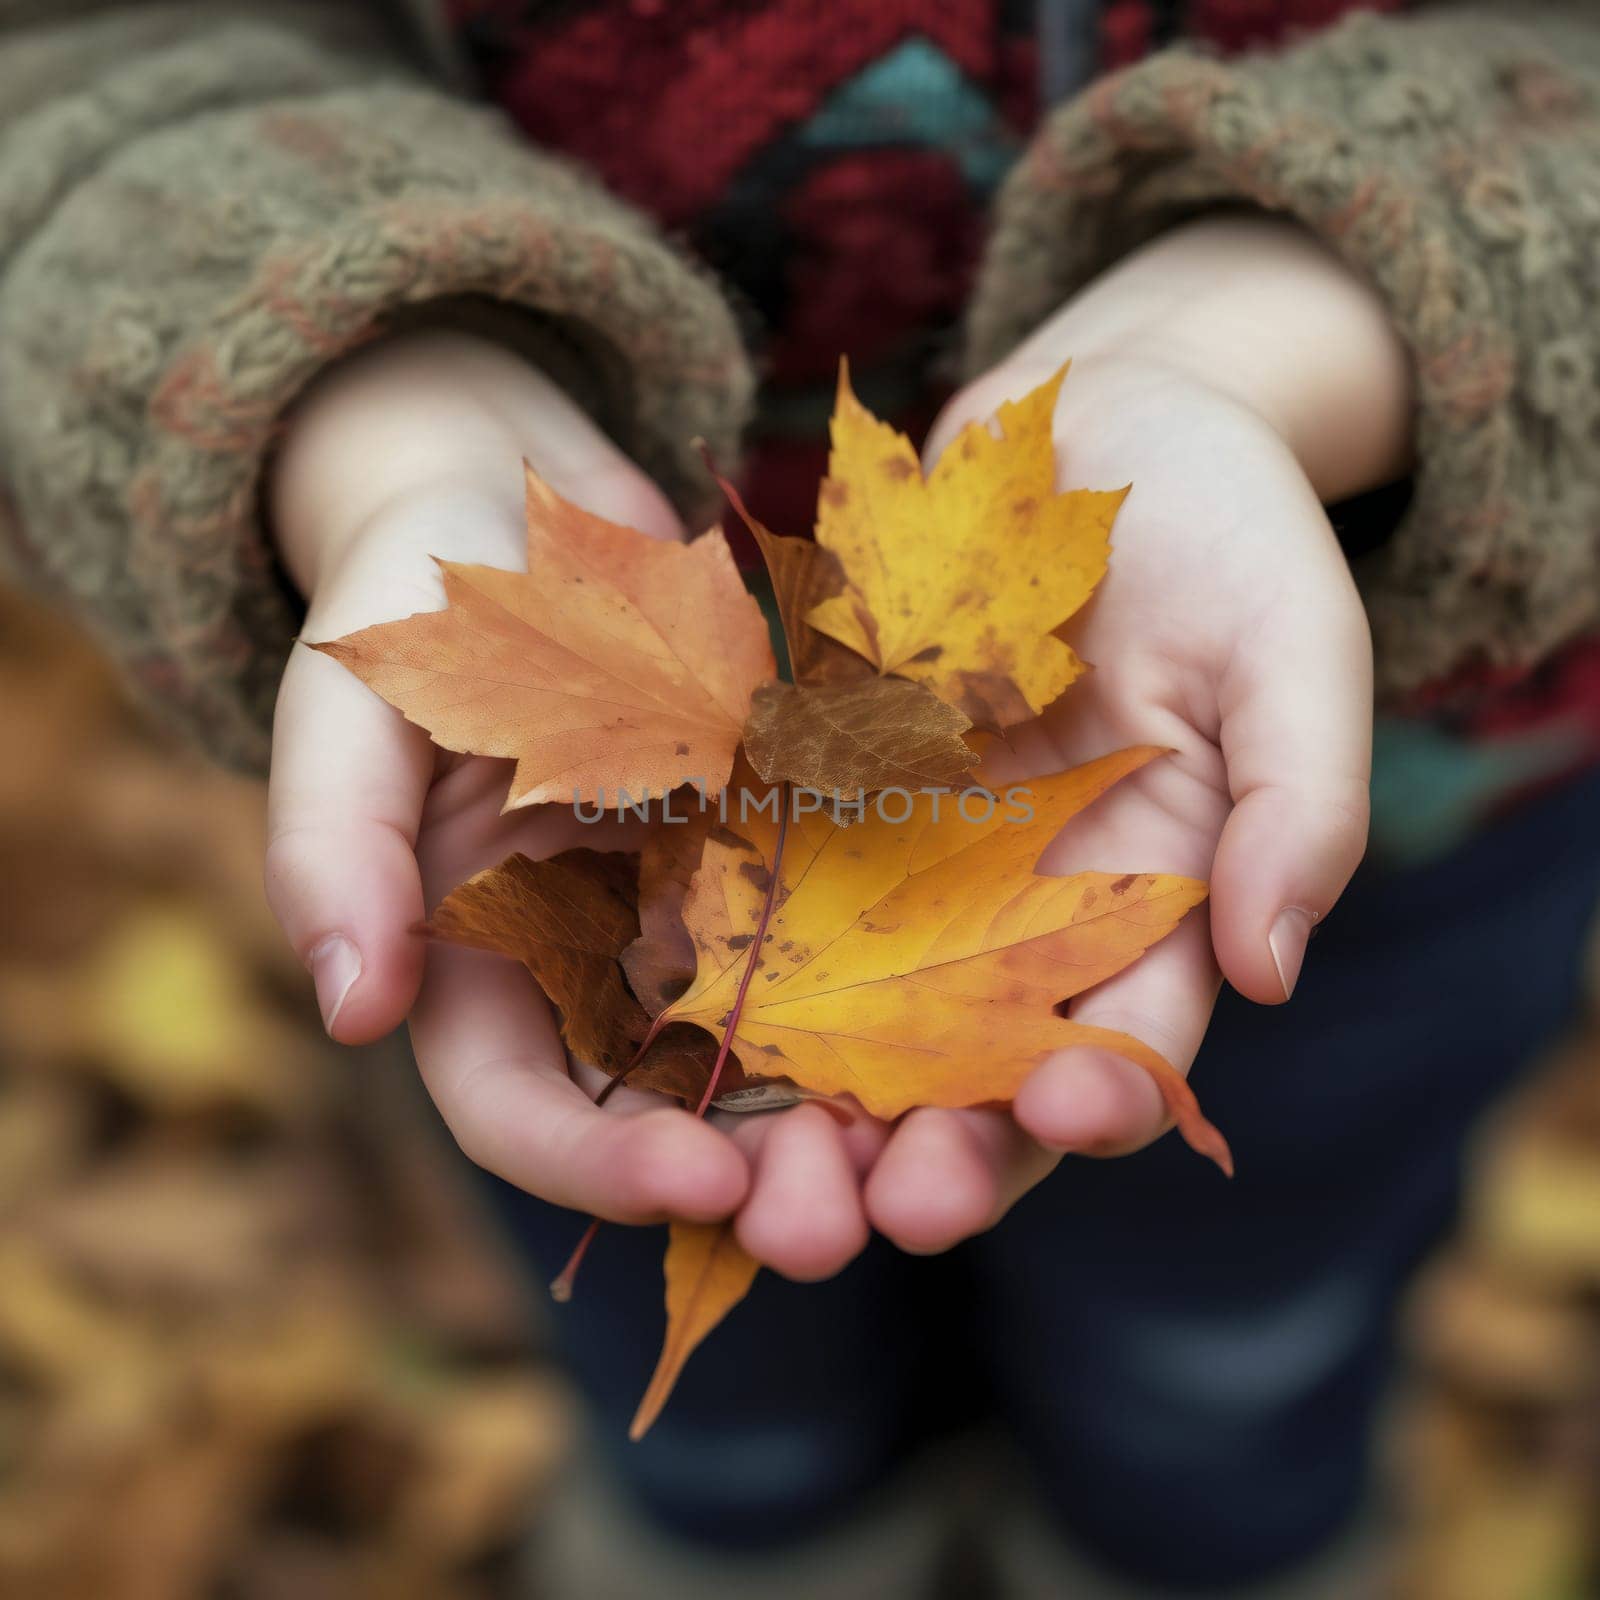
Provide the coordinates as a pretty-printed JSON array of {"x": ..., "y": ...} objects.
[{"x": 1191, "y": 1365}]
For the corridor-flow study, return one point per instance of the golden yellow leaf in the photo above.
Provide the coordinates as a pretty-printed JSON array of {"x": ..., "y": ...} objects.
[
  {"x": 616, "y": 663},
  {"x": 918, "y": 963},
  {"x": 708, "y": 1274},
  {"x": 959, "y": 579}
]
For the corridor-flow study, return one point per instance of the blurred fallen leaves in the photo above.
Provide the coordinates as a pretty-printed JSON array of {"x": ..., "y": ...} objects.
[
  {"x": 1498, "y": 1448},
  {"x": 252, "y": 1339}
]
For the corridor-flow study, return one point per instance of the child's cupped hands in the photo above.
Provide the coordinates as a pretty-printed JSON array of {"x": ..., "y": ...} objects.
[{"x": 1228, "y": 630}]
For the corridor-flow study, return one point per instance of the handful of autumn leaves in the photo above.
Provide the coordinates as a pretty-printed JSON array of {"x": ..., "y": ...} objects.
[{"x": 812, "y": 921}]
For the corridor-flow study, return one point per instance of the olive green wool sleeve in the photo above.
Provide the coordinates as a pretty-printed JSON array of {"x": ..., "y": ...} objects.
[
  {"x": 201, "y": 207},
  {"x": 1453, "y": 158}
]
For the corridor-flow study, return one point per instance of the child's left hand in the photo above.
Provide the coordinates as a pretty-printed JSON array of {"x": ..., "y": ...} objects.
[{"x": 1238, "y": 377}]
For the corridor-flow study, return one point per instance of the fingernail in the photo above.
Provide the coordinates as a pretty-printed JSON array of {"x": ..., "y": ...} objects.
[
  {"x": 335, "y": 965},
  {"x": 1287, "y": 942}
]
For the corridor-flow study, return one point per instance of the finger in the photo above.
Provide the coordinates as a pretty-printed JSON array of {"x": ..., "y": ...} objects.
[
  {"x": 804, "y": 1216},
  {"x": 350, "y": 775},
  {"x": 1297, "y": 739},
  {"x": 1093, "y": 1102},
  {"x": 348, "y": 781},
  {"x": 947, "y": 1175},
  {"x": 487, "y": 1047}
]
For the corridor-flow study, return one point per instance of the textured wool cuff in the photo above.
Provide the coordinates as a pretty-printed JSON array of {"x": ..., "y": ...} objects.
[
  {"x": 169, "y": 302},
  {"x": 1454, "y": 160}
]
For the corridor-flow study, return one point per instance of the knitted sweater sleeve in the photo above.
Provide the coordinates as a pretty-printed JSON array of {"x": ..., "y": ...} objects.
[
  {"x": 201, "y": 206},
  {"x": 1453, "y": 158}
]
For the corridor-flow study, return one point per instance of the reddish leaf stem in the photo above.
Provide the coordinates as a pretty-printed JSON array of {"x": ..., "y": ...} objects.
[
  {"x": 561, "y": 1284},
  {"x": 638, "y": 1056},
  {"x": 755, "y": 952}
]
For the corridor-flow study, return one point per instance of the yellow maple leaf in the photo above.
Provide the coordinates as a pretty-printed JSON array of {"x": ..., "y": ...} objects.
[
  {"x": 919, "y": 963},
  {"x": 959, "y": 579}
]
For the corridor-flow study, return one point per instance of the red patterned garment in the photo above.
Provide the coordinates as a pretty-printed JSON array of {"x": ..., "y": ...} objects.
[{"x": 831, "y": 161}]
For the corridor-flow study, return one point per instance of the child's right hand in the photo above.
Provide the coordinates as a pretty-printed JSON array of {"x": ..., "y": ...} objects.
[{"x": 410, "y": 451}]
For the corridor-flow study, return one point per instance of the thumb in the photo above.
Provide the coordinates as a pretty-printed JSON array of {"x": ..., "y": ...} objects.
[
  {"x": 350, "y": 777},
  {"x": 1297, "y": 738}
]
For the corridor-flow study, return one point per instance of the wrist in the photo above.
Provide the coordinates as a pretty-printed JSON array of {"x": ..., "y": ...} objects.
[
  {"x": 426, "y": 418},
  {"x": 1259, "y": 313}
]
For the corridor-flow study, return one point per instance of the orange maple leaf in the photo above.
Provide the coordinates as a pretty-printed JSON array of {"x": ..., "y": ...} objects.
[
  {"x": 708, "y": 1274},
  {"x": 616, "y": 663},
  {"x": 920, "y": 962}
]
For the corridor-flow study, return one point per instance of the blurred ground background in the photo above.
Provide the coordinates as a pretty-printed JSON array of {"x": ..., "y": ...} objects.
[{"x": 256, "y": 1342}]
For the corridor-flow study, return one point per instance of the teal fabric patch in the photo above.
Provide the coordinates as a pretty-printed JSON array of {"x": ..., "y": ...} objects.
[
  {"x": 917, "y": 95},
  {"x": 1432, "y": 789}
]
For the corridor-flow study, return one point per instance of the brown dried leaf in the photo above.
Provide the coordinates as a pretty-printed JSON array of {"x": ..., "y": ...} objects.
[
  {"x": 660, "y": 962},
  {"x": 165, "y": 1228},
  {"x": 679, "y": 1063},
  {"x": 566, "y": 920},
  {"x": 496, "y": 1440},
  {"x": 856, "y": 738}
]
